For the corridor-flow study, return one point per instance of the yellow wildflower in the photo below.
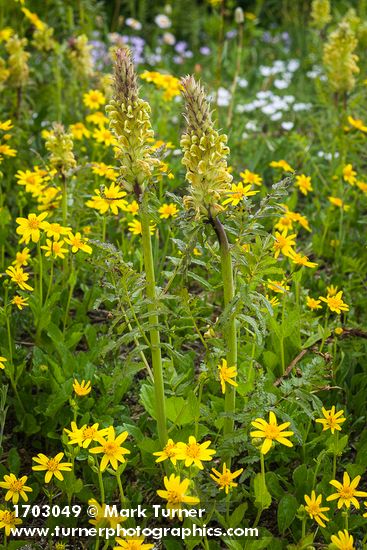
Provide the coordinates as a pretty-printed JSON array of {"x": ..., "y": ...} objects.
[
  {"x": 29, "y": 228},
  {"x": 168, "y": 211},
  {"x": 8, "y": 521},
  {"x": 304, "y": 184},
  {"x": 349, "y": 175},
  {"x": 347, "y": 491},
  {"x": 77, "y": 243},
  {"x": 111, "y": 198},
  {"x": 312, "y": 303},
  {"x": 83, "y": 388},
  {"x": 135, "y": 227},
  {"x": 336, "y": 201},
  {"x": 102, "y": 169},
  {"x": 343, "y": 541},
  {"x": 194, "y": 453},
  {"x": 85, "y": 435},
  {"x": 225, "y": 478},
  {"x": 237, "y": 193},
  {"x": 79, "y": 131},
  {"x": 52, "y": 466},
  {"x": 335, "y": 303},
  {"x": 103, "y": 135},
  {"x": 2, "y": 361},
  {"x": 169, "y": 452},
  {"x": 278, "y": 286},
  {"x": 175, "y": 492},
  {"x": 111, "y": 448},
  {"x": 251, "y": 177},
  {"x": 283, "y": 164},
  {"x": 15, "y": 488},
  {"x": 283, "y": 243},
  {"x": 22, "y": 257},
  {"x": 94, "y": 99},
  {"x": 314, "y": 509},
  {"x": 270, "y": 432},
  {"x": 18, "y": 276},
  {"x": 331, "y": 419},
  {"x": 19, "y": 301},
  {"x": 357, "y": 123},
  {"x": 132, "y": 544},
  {"x": 226, "y": 374},
  {"x": 299, "y": 259},
  {"x": 54, "y": 248}
]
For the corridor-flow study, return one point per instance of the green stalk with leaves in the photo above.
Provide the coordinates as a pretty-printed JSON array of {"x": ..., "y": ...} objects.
[
  {"x": 130, "y": 121},
  {"x": 205, "y": 158}
]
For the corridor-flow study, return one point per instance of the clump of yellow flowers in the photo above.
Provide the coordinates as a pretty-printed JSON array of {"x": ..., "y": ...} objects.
[
  {"x": 205, "y": 155},
  {"x": 130, "y": 122},
  {"x": 320, "y": 13},
  {"x": 339, "y": 60}
]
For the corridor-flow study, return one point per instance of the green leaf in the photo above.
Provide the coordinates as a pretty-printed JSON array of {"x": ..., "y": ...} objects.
[
  {"x": 238, "y": 514},
  {"x": 14, "y": 461},
  {"x": 262, "y": 495},
  {"x": 178, "y": 411},
  {"x": 147, "y": 399},
  {"x": 287, "y": 510}
]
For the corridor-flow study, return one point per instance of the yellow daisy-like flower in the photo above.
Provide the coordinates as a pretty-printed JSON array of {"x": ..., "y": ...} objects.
[
  {"x": 79, "y": 131},
  {"x": 8, "y": 521},
  {"x": 102, "y": 169},
  {"x": 22, "y": 257},
  {"x": 226, "y": 374},
  {"x": 54, "y": 248},
  {"x": 335, "y": 303},
  {"x": 133, "y": 208},
  {"x": 336, "y": 201},
  {"x": 237, "y": 193},
  {"x": 2, "y": 361},
  {"x": 55, "y": 230},
  {"x": 169, "y": 452},
  {"x": 111, "y": 448},
  {"x": 52, "y": 466},
  {"x": 135, "y": 227},
  {"x": 94, "y": 99},
  {"x": 77, "y": 243},
  {"x": 85, "y": 435},
  {"x": 132, "y": 544},
  {"x": 19, "y": 301},
  {"x": 175, "y": 492},
  {"x": 7, "y": 125},
  {"x": 270, "y": 432},
  {"x": 18, "y": 276},
  {"x": 7, "y": 151},
  {"x": 225, "y": 478},
  {"x": 102, "y": 518},
  {"x": 331, "y": 420},
  {"x": 299, "y": 259},
  {"x": 312, "y": 303},
  {"x": 83, "y": 388},
  {"x": 349, "y": 175},
  {"x": 97, "y": 118},
  {"x": 315, "y": 510},
  {"x": 283, "y": 164},
  {"x": 365, "y": 515},
  {"x": 343, "y": 541},
  {"x": 347, "y": 491},
  {"x": 278, "y": 286},
  {"x": 283, "y": 243},
  {"x": 29, "y": 228},
  {"x": 15, "y": 488},
  {"x": 194, "y": 453},
  {"x": 168, "y": 211},
  {"x": 110, "y": 199},
  {"x": 251, "y": 177},
  {"x": 103, "y": 135},
  {"x": 357, "y": 123},
  {"x": 304, "y": 184}
]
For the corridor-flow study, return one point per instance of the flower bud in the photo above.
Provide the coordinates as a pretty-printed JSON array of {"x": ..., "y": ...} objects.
[{"x": 239, "y": 16}]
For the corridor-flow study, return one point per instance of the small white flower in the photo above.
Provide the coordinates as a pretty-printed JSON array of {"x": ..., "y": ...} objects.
[
  {"x": 258, "y": 103},
  {"x": 169, "y": 38},
  {"x": 280, "y": 84},
  {"x": 162, "y": 21},
  {"x": 287, "y": 125},
  {"x": 265, "y": 71},
  {"x": 302, "y": 107},
  {"x": 251, "y": 125},
  {"x": 134, "y": 24},
  {"x": 242, "y": 82},
  {"x": 293, "y": 65},
  {"x": 289, "y": 98},
  {"x": 276, "y": 116},
  {"x": 223, "y": 97},
  {"x": 269, "y": 109},
  {"x": 264, "y": 94}
]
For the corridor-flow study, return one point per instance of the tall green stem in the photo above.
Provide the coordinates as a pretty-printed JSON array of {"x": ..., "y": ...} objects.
[
  {"x": 155, "y": 342},
  {"x": 230, "y": 334}
]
